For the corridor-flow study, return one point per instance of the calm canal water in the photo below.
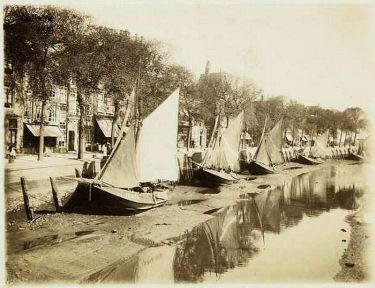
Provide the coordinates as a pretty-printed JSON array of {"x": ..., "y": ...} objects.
[{"x": 295, "y": 232}]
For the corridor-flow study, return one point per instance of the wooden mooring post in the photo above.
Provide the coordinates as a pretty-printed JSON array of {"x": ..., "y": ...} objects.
[
  {"x": 55, "y": 194},
  {"x": 28, "y": 209}
]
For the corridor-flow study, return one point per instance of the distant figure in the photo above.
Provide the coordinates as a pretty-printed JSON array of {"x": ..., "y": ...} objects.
[
  {"x": 13, "y": 152},
  {"x": 109, "y": 148},
  {"x": 104, "y": 150}
]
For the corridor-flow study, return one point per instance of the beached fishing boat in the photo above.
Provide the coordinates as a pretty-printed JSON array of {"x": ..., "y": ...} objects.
[
  {"x": 317, "y": 152},
  {"x": 131, "y": 177},
  {"x": 221, "y": 161},
  {"x": 303, "y": 159},
  {"x": 355, "y": 157},
  {"x": 269, "y": 151}
]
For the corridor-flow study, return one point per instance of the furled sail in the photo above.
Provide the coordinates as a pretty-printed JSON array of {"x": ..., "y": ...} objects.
[
  {"x": 275, "y": 143},
  {"x": 319, "y": 150},
  {"x": 157, "y": 143},
  {"x": 121, "y": 167},
  {"x": 261, "y": 154},
  {"x": 224, "y": 154}
]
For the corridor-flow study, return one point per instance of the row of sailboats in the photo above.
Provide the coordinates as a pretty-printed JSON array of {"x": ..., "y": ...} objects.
[{"x": 145, "y": 155}]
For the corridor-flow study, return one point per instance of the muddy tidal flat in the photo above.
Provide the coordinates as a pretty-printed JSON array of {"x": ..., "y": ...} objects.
[{"x": 303, "y": 224}]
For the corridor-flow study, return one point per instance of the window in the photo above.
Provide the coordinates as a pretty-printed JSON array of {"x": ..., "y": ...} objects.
[
  {"x": 63, "y": 95},
  {"x": 89, "y": 110},
  {"x": 52, "y": 114},
  {"x": 38, "y": 111},
  {"x": 12, "y": 132},
  {"x": 61, "y": 143},
  {"x": 72, "y": 105},
  {"x": 28, "y": 109},
  {"x": 8, "y": 97},
  {"x": 13, "y": 123}
]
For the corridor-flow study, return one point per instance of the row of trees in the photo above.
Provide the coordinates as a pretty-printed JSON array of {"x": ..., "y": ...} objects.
[
  {"x": 311, "y": 120},
  {"x": 49, "y": 44}
]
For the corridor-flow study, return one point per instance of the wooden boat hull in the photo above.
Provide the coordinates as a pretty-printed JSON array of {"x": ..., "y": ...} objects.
[
  {"x": 132, "y": 200},
  {"x": 92, "y": 198},
  {"x": 307, "y": 160},
  {"x": 258, "y": 168},
  {"x": 355, "y": 157},
  {"x": 213, "y": 178}
]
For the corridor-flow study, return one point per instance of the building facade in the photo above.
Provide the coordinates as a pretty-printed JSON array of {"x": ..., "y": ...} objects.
[{"x": 62, "y": 114}]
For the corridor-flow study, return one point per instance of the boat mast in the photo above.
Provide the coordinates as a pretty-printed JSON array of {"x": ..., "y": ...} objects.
[
  {"x": 138, "y": 104},
  {"x": 210, "y": 144},
  {"x": 261, "y": 138}
]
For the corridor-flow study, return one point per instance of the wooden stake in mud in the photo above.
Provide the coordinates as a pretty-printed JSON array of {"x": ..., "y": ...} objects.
[
  {"x": 55, "y": 194},
  {"x": 28, "y": 209}
]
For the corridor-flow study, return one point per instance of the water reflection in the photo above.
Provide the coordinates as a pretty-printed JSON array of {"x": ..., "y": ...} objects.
[
  {"x": 239, "y": 232},
  {"x": 224, "y": 242}
]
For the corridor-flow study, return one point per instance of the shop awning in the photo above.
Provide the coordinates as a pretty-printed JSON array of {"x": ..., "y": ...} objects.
[
  {"x": 49, "y": 130},
  {"x": 106, "y": 126}
]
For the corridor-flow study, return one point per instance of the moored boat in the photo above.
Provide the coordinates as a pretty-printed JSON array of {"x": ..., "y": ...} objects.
[
  {"x": 131, "y": 176},
  {"x": 308, "y": 160},
  {"x": 221, "y": 161},
  {"x": 317, "y": 152},
  {"x": 269, "y": 151},
  {"x": 355, "y": 157}
]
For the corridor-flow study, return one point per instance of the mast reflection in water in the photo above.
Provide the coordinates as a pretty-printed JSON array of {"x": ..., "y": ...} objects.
[{"x": 237, "y": 233}]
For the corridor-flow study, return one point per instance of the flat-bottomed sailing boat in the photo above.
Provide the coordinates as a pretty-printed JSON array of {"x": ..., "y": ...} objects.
[
  {"x": 268, "y": 152},
  {"x": 130, "y": 177},
  {"x": 221, "y": 161}
]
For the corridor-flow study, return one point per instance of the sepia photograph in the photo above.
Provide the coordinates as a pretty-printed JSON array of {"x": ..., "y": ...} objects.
[{"x": 188, "y": 142}]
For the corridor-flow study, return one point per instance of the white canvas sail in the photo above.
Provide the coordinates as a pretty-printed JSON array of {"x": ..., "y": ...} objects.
[
  {"x": 319, "y": 150},
  {"x": 224, "y": 154},
  {"x": 157, "y": 143},
  {"x": 275, "y": 143},
  {"x": 261, "y": 154},
  {"x": 120, "y": 169}
]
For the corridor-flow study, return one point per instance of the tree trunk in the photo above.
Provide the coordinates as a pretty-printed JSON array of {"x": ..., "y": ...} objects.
[
  {"x": 350, "y": 139},
  {"x": 293, "y": 136},
  {"x": 340, "y": 138},
  {"x": 284, "y": 140},
  {"x": 41, "y": 132},
  {"x": 355, "y": 136},
  {"x": 113, "y": 132},
  {"x": 81, "y": 139},
  {"x": 189, "y": 135},
  {"x": 346, "y": 137},
  {"x": 67, "y": 116}
]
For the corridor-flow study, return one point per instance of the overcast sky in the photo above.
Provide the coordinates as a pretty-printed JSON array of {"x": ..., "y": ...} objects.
[{"x": 314, "y": 53}]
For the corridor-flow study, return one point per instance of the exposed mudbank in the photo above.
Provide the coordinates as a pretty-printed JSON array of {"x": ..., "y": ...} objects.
[{"x": 133, "y": 233}]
